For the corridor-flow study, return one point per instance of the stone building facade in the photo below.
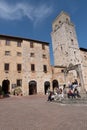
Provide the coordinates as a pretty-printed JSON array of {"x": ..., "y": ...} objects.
[
  {"x": 25, "y": 63},
  {"x": 83, "y": 54}
]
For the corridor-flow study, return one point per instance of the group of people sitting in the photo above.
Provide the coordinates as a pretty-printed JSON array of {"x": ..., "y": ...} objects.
[
  {"x": 61, "y": 93},
  {"x": 73, "y": 90},
  {"x": 57, "y": 94}
]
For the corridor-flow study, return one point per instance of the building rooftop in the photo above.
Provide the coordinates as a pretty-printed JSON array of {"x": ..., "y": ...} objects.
[
  {"x": 21, "y": 38},
  {"x": 83, "y": 49}
]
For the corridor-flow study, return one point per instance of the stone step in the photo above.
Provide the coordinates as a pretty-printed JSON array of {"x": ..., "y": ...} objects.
[
  {"x": 82, "y": 100},
  {"x": 74, "y": 101}
]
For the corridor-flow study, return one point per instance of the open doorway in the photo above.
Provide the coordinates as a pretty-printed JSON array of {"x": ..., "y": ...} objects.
[
  {"x": 46, "y": 86},
  {"x": 5, "y": 86},
  {"x": 55, "y": 84},
  {"x": 32, "y": 87}
]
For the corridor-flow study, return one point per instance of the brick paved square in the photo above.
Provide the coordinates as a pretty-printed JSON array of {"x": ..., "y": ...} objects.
[{"x": 35, "y": 113}]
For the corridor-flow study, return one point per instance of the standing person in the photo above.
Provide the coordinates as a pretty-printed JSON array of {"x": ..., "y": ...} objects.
[
  {"x": 64, "y": 90},
  {"x": 76, "y": 82},
  {"x": 48, "y": 91},
  {"x": 60, "y": 95},
  {"x": 50, "y": 96}
]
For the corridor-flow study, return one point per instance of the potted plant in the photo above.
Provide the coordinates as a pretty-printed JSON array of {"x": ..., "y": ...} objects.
[{"x": 18, "y": 91}]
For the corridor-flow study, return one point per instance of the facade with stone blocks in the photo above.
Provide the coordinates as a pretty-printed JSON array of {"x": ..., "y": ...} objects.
[
  {"x": 25, "y": 63},
  {"x": 66, "y": 50},
  {"x": 83, "y": 54}
]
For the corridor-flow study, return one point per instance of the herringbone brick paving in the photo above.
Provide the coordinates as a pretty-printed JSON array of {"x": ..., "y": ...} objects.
[{"x": 35, "y": 113}]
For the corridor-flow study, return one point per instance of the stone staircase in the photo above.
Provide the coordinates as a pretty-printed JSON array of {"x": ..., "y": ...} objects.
[{"x": 82, "y": 100}]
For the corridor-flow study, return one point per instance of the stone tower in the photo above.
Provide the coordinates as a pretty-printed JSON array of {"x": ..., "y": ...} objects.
[{"x": 64, "y": 40}]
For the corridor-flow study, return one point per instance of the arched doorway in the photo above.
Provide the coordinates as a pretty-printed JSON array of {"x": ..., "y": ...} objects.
[
  {"x": 46, "y": 86},
  {"x": 5, "y": 86},
  {"x": 55, "y": 84},
  {"x": 32, "y": 87}
]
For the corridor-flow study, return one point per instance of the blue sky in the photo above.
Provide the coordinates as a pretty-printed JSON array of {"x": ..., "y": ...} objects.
[{"x": 33, "y": 18}]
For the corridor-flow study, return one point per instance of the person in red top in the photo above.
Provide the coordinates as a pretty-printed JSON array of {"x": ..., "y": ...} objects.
[{"x": 70, "y": 93}]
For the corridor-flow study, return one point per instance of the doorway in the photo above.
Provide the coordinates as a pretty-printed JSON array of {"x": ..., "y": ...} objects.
[
  {"x": 32, "y": 87},
  {"x": 5, "y": 86},
  {"x": 46, "y": 86},
  {"x": 55, "y": 84}
]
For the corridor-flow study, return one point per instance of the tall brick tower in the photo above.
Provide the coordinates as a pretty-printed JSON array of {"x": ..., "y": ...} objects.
[{"x": 64, "y": 40}]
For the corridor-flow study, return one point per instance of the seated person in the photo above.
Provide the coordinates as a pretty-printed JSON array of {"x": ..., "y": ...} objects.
[
  {"x": 70, "y": 93},
  {"x": 76, "y": 93},
  {"x": 50, "y": 96}
]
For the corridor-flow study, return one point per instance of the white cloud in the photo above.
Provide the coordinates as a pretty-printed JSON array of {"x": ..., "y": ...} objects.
[
  {"x": 42, "y": 12},
  {"x": 19, "y": 10}
]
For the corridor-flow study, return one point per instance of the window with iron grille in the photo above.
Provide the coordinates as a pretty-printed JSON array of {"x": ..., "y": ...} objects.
[
  {"x": 6, "y": 66},
  {"x": 19, "y": 53},
  {"x": 31, "y": 44},
  {"x": 32, "y": 67},
  {"x": 7, "y": 53},
  {"x": 43, "y": 46},
  {"x": 45, "y": 68},
  {"x": 18, "y": 44},
  {"x": 19, "y": 82},
  {"x": 7, "y": 43},
  {"x": 19, "y": 67},
  {"x": 32, "y": 55}
]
